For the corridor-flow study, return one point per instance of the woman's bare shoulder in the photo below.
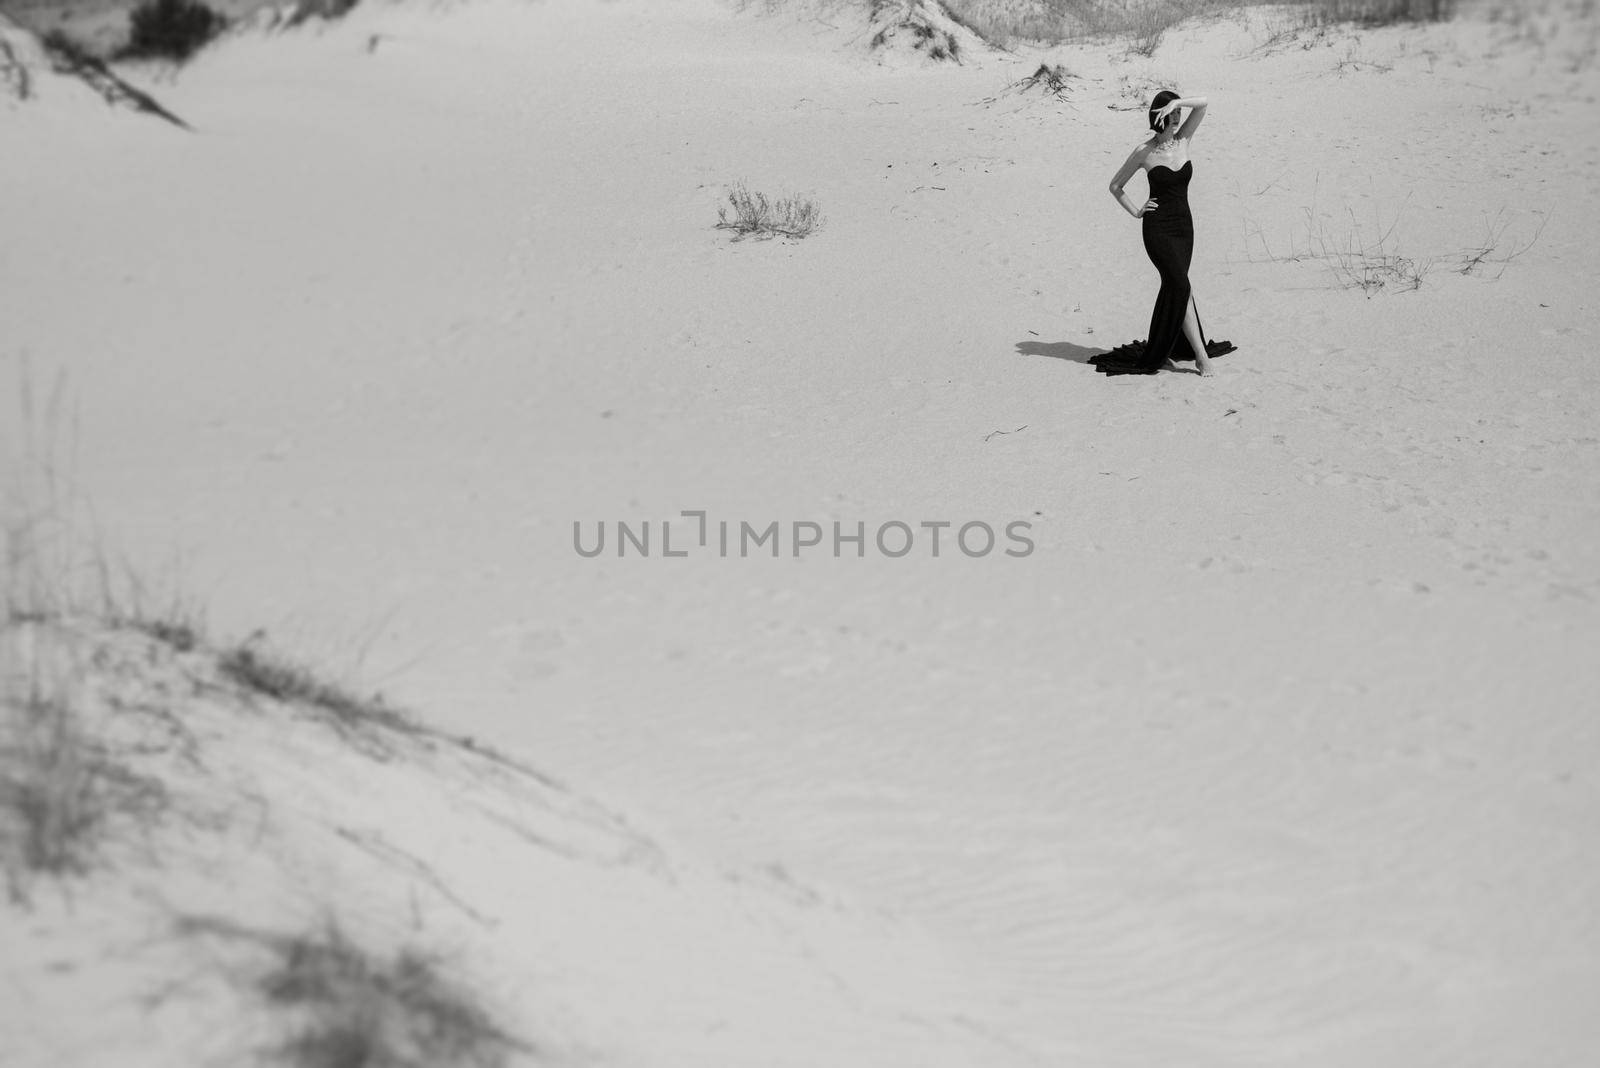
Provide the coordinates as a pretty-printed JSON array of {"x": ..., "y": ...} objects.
[{"x": 1140, "y": 151}]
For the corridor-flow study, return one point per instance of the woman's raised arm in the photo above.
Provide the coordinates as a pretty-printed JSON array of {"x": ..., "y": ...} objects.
[{"x": 1197, "y": 112}]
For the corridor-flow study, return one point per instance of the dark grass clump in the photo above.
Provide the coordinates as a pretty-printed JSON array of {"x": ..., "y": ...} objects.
[
  {"x": 1048, "y": 79},
  {"x": 66, "y": 52},
  {"x": 324, "y": 10},
  {"x": 355, "y": 1010},
  {"x": 170, "y": 29},
  {"x": 180, "y": 635},
  {"x": 282, "y": 680}
]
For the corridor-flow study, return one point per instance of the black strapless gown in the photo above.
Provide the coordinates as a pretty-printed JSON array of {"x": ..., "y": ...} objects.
[{"x": 1169, "y": 241}]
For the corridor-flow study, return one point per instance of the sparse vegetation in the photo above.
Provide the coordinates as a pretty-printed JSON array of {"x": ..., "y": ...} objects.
[
  {"x": 1137, "y": 91},
  {"x": 170, "y": 29},
  {"x": 1493, "y": 247},
  {"x": 1048, "y": 79},
  {"x": 49, "y": 780},
  {"x": 275, "y": 676},
  {"x": 176, "y": 633},
  {"x": 345, "y": 1007},
  {"x": 59, "y": 785},
  {"x": 43, "y": 565},
  {"x": 754, "y": 215},
  {"x": 1357, "y": 262},
  {"x": 1566, "y": 27},
  {"x": 355, "y": 1009},
  {"x": 1372, "y": 264},
  {"x": 67, "y": 53},
  {"x": 1144, "y": 23},
  {"x": 54, "y": 566},
  {"x": 70, "y": 56},
  {"x": 918, "y": 21},
  {"x": 326, "y": 10},
  {"x": 14, "y": 73},
  {"x": 1376, "y": 12},
  {"x": 1350, "y": 61},
  {"x": 1371, "y": 271},
  {"x": 1006, "y": 23}
]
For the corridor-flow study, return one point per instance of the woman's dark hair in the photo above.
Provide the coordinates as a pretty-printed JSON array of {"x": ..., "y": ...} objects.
[{"x": 1160, "y": 102}]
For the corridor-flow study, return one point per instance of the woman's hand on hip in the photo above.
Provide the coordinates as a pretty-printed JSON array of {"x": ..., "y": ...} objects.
[{"x": 1149, "y": 206}]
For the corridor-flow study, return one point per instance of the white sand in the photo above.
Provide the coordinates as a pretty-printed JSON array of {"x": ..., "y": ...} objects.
[{"x": 1277, "y": 749}]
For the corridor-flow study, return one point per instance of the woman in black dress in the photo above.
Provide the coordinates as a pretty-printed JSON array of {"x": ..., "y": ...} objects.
[{"x": 1175, "y": 332}]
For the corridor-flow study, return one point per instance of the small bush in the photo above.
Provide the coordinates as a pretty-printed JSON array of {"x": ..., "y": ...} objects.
[
  {"x": 754, "y": 214},
  {"x": 170, "y": 29}
]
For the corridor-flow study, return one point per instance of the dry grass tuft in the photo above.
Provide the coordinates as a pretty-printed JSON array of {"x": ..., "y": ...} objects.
[
  {"x": 1494, "y": 247},
  {"x": 1372, "y": 262},
  {"x": 1047, "y": 79},
  {"x": 755, "y": 215},
  {"x": 50, "y": 783},
  {"x": 60, "y": 786},
  {"x": 54, "y": 565},
  {"x": 274, "y": 675}
]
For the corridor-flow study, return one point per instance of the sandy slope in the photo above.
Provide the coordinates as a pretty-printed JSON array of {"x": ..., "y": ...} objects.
[
  {"x": 1274, "y": 749},
  {"x": 236, "y": 822}
]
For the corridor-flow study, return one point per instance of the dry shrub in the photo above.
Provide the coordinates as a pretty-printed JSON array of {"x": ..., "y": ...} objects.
[{"x": 755, "y": 215}]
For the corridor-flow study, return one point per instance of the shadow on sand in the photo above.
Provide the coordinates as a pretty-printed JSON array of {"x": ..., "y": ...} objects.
[
  {"x": 1125, "y": 359},
  {"x": 1059, "y": 350}
]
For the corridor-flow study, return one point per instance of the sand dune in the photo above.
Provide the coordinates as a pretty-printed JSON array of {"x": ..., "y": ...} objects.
[{"x": 1273, "y": 749}]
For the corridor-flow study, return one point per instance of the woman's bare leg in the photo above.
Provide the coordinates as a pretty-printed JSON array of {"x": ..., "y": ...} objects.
[{"x": 1191, "y": 330}]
